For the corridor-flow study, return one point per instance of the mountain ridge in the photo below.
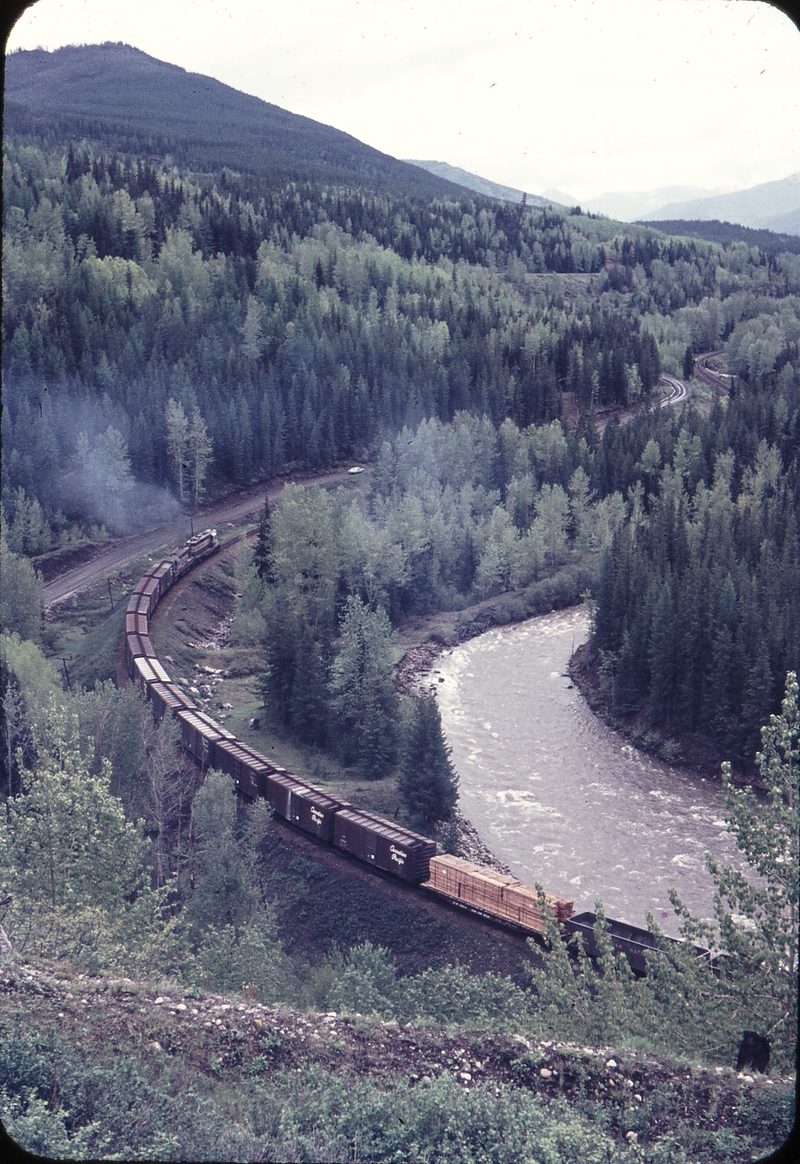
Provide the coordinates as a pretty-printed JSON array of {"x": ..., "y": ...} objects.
[
  {"x": 114, "y": 82},
  {"x": 482, "y": 185},
  {"x": 771, "y": 205}
]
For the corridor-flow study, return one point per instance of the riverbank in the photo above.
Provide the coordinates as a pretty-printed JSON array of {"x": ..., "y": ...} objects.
[{"x": 689, "y": 752}]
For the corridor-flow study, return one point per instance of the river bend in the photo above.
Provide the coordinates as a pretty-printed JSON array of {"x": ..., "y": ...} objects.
[{"x": 561, "y": 798}]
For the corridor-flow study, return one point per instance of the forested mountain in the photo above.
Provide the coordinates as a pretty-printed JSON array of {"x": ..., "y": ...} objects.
[
  {"x": 768, "y": 241},
  {"x": 122, "y": 86}
]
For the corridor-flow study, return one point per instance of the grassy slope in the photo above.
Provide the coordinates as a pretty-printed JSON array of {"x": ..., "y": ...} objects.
[{"x": 242, "y": 1061}]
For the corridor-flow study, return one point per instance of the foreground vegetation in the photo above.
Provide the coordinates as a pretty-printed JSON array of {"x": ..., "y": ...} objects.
[{"x": 116, "y": 1068}]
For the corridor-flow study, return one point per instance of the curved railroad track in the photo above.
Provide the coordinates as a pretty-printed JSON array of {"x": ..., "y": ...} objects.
[
  {"x": 719, "y": 381},
  {"x": 125, "y": 550},
  {"x": 679, "y": 390}
]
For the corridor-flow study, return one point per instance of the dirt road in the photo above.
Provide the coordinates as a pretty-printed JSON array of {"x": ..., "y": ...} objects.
[{"x": 122, "y": 551}]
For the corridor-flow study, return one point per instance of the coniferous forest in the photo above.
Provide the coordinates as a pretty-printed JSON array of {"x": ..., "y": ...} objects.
[{"x": 169, "y": 334}]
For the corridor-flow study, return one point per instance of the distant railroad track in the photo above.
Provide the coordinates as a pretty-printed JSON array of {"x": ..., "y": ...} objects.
[
  {"x": 679, "y": 391},
  {"x": 719, "y": 382}
]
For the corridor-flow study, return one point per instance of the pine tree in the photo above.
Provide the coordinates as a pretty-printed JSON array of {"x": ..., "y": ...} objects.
[
  {"x": 362, "y": 688},
  {"x": 428, "y": 781}
]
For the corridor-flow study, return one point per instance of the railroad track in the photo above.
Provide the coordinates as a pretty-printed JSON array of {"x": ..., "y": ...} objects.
[
  {"x": 679, "y": 390},
  {"x": 719, "y": 381}
]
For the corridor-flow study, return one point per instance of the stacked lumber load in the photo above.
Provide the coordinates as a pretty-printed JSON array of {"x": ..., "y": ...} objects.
[{"x": 495, "y": 893}]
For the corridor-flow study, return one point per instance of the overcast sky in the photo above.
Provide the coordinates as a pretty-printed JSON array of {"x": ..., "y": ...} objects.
[{"x": 578, "y": 95}]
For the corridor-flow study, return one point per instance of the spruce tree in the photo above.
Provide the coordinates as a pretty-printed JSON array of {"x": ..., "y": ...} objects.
[{"x": 428, "y": 781}]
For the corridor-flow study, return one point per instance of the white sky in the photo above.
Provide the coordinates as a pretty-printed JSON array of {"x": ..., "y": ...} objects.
[{"x": 587, "y": 96}]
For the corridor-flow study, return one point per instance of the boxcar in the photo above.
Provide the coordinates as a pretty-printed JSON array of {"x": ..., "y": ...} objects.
[
  {"x": 138, "y": 647},
  {"x": 199, "y": 735},
  {"x": 165, "y": 573},
  {"x": 314, "y": 810},
  {"x": 160, "y": 671},
  {"x": 256, "y": 755},
  {"x": 136, "y": 624},
  {"x": 280, "y": 788},
  {"x": 213, "y": 726},
  {"x": 248, "y": 773},
  {"x": 498, "y": 894},
  {"x": 142, "y": 672},
  {"x": 167, "y": 698},
  {"x": 398, "y": 851}
]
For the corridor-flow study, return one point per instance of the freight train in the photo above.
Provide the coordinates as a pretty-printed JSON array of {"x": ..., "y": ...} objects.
[{"x": 378, "y": 843}]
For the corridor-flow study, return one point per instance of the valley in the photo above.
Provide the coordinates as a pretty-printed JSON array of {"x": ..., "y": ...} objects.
[{"x": 579, "y": 450}]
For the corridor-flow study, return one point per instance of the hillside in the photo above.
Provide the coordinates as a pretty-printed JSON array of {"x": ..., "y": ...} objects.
[
  {"x": 483, "y": 185},
  {"x": 122, "y": 86},
  {"x": 771, "y": 205},
  {"x": 216, "y": 1077},
  {"x": 768, "y": 241}
]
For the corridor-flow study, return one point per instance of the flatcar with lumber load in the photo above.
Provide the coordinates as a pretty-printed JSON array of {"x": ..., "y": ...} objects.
[{"x": 497, "y": 895}]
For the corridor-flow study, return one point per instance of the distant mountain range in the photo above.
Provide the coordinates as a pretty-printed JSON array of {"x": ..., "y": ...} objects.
[
  {"x": 483, "y": 185},
  {"x": 114, "y": 85},
  {"x": 770, "y": 205},
  {"x": 626, "y": 205}
]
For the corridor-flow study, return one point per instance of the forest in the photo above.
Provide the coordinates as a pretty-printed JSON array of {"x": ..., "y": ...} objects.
[
  {"x": 173, "y": 332},
  {"x": 169, "y": 334}
]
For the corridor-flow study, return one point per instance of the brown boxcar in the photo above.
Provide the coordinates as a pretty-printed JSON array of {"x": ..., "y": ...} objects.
[
  {"x": 136, "y": 624},
  {"x": 279, "y": 790},
  {"x": 214, "y": 726},
  {"x": 199, "y": 736},
  {"x": 140, "y": 645},
  {"x": 398, "y": 851},
  {"x": 314, "y": 810},
  {"x": 137, "y": 647},
  {"x": 258, "y": 756},
  {"x": 248, "y": 774},
  {"x": 498, "y": 894},
  {"x": 167, "y": 698},
  {"x": 143, "y": 673},
  {"x": 164, "y": 571}
]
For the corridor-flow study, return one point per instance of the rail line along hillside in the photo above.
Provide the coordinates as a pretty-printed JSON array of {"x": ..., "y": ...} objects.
[
  {"x": 720, "y": 382},
  {"x": 382, "y": 845}
]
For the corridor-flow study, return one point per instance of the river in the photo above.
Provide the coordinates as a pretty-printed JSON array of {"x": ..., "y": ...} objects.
[{"x": 561, "y": 798}]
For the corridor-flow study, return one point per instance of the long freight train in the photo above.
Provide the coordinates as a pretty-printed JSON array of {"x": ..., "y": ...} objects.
[{"x": 368, "y": 838}]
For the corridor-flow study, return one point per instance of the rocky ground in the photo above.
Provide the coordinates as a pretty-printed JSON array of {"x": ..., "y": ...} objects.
[{"x": 227, "y": 1039}]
